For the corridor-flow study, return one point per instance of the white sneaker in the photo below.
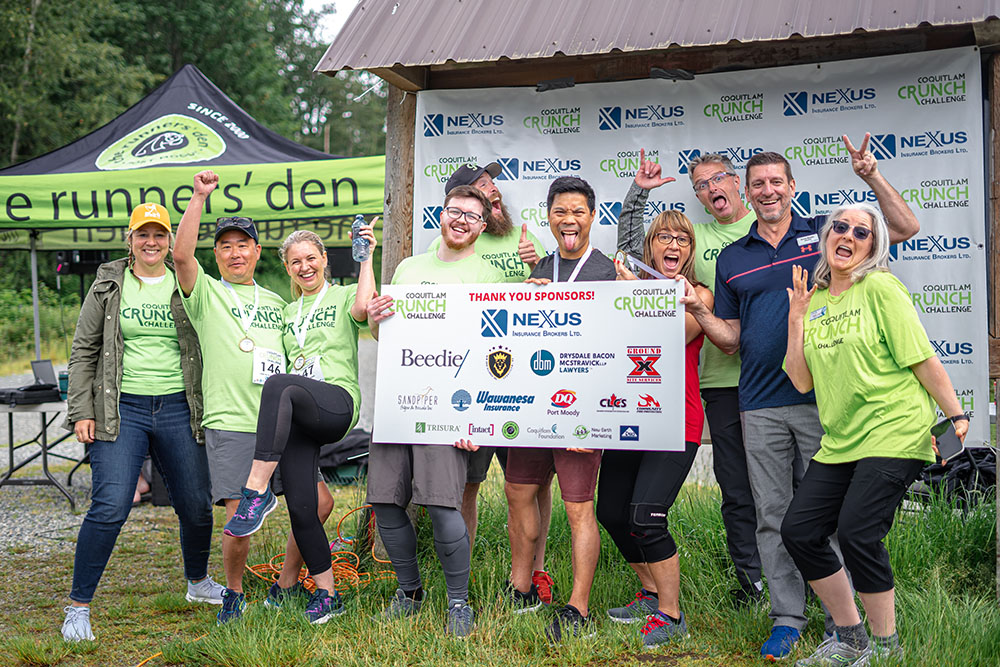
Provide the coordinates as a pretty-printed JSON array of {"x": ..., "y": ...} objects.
[
  {"x": 205, "y": 590},
  {"x": 76, "y": 627}
]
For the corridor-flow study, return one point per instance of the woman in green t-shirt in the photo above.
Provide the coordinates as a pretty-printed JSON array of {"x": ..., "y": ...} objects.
[
  {"x": 855, "y": 337},
  {"x": 316, "y": 403},
  {"x": 135, "y": 388}
]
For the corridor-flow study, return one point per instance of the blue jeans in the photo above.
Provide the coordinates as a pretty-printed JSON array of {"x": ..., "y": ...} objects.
[{"x": 161, "y": 426}]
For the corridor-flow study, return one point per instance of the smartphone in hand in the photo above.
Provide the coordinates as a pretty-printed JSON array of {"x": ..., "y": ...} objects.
[{"x": 948, "y": 443}]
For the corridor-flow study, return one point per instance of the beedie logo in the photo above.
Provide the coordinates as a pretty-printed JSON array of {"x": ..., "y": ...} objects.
[{"x": 563, "y": 398}]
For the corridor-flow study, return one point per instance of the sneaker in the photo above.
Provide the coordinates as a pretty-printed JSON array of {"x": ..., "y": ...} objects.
[
  {"x": 402, "y": 606},
  {"x": 522, "y": 603},
  {"x": 882, "y": 656},
  {"x": 249, "y": 516},
  {"x": 323, "y": 606},
  {"x": 637, "y": 610},
  {"x": 569, "y": 621},
  {"x": 76, "y": 627},
  {"x": 747, "y": 596},
  {"x": 461, "y": 618},
  {"x": 833, "y": 653},
  {"x": 543, "y": 584},
  {"x": 659, "y": 629},
  {"x": 233, "y": 604},
  {"x": 781, "y": 642},
  {"x": 205, "y": 590},
  {"x": 277, "y": 596}
]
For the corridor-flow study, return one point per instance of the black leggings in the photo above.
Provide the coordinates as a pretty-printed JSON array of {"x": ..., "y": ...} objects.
[
  {"x": 634, "y": 493},
  {"x": 298, "y": 416}
]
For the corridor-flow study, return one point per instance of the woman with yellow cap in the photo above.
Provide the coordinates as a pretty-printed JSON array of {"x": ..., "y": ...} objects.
[{"x": 135, "y": 388}]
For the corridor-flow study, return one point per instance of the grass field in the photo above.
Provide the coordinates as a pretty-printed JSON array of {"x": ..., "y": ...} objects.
[{"x": 943, "y": 559}]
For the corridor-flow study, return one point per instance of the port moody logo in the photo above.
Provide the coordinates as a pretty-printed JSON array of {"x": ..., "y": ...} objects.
[
  {"x": 439, "y": 125},
  {"x": 534, "y": 169},
  {"x": 738, "y": 155},
  {"x": 440, "y": 170},
  {"x": 645, "y": 116},
  {"x": 562, "y": 401},
  {"x": 736, "y": 108},
  {"x": 802, "y": 102},
  {"x": 934, "y": 89},
  {"x": 561, "y": 120}
]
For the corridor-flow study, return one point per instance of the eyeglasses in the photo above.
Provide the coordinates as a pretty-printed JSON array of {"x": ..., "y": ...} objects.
[
  {"x": 470, "y": 216},
  {"x": 702, "y": 185},
  {"x": 860, "y": 233},
  {"x": 665, "y": 239}
]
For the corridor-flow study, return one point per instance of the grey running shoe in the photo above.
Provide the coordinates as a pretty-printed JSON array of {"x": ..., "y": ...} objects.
[
  {"x": 402, "y": 606},
  {"x": 206, "y": 590},
  {"x": 76, "y": 626},
  {"x": 882, "y": 656},
  {"x": 569, "y": 622},
  {"x": 832, "y": 653},
  {"x": 637, "y": 610},
  {"x": 522, "y": 603},
  {"x": 461, "y": 618},
  {"x": 659, "y": 629},
  {"x": 277, "y": 596},
  {"x": 323, "y": 606}
]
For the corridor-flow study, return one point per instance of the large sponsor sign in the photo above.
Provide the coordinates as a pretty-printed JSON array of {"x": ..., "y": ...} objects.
[
  {"x": 924, "y": 111},
  {"x": 596, "y": 365}
]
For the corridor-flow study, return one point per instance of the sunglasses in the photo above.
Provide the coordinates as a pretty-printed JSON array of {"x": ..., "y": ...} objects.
[
  {"x": 860, "y": 233},
  {"x": 238, "y": 221}
]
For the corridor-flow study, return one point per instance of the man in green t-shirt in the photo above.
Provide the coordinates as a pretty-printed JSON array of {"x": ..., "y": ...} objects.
[{"x": 717, "y": 187}]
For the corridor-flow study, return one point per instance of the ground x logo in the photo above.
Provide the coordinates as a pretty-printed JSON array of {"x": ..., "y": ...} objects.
[
  {"x": 494, "y": 323},
  {"x": 433, "y": 125},
  {"x": 609, "y": 118},
  {"x": 645, "y": 359}
]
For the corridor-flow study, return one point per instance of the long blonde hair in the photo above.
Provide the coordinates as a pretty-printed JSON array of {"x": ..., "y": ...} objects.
[
  {"x": 302, "y": 236},
  {"x": 671, "y": 221}
]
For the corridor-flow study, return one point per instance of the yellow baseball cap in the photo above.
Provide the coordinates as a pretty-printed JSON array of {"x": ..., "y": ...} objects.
[{"x": 151, "y": 212}]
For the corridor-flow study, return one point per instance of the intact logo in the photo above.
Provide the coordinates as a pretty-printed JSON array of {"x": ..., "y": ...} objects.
[
  {"x": 432, "y": 217},
  {"x": 738, "y": 155},
  {"x": 499, "y": 362},
  {"x": 461, "y": 400},
  {"x": 628, "y": 433},
  {"x": 546, "y": 168},
  {"x": 563, "y": 398},
  {"x": 932, "y": 247},
  {"x": 647, "y": 404},
  {"x": 542, "y": 362},
  {"x": 439, "y": 125},
  {"x": 800, "y": 103},
  {"x": 953, "y": 352},
  {"x": 481, "y": 430},
  {"x": 646, "y": 116},
  {"x": 644, "y": 360},
  {"x": 170, "y": 139}
]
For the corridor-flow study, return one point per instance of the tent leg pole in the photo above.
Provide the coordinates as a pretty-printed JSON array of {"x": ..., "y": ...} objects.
[{"x": 34, "y": 295}]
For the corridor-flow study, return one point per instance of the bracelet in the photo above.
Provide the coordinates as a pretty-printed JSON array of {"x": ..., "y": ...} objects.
[{"x": 958, "y": 418}]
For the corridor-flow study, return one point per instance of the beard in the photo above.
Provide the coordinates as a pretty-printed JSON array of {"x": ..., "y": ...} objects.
[
  {"x": 457, "y": 245},
  {"x": 499, "y": 225}
]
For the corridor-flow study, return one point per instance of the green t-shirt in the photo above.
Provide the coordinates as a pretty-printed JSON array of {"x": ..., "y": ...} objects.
[
  {"x": 859, "y": 346},
  {"x": 718, "y": 369},
  {"x": 151, "y": 362},
  {"x": 332, "y": 335},
  {"x": 231, "y": 397},
  {"x": 427, "y": 269},
  {"x": 501, "y": 252}
]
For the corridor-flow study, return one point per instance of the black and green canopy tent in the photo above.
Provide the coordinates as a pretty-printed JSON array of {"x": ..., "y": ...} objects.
[{"x": 80, "y": 196}]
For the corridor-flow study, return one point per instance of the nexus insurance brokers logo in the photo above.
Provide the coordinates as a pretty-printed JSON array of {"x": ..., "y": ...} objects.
[{"x": 439, "y": 124}]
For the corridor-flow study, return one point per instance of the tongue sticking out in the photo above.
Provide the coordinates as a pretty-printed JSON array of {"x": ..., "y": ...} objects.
[
  {"x": 719, "y": 203},
  {"x": 570, "y": 240}
]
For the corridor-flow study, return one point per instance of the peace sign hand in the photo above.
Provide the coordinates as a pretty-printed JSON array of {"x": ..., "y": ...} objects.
[{"x": 862, "y": 161}]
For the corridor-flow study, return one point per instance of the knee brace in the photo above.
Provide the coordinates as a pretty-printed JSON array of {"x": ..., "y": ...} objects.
[{"x": 649, "y": 529}]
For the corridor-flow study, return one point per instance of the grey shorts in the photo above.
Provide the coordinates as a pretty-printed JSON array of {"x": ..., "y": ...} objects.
[
  {"x": 425, "y": 474},
  {"x": 479, "y": 464},
  {"x": 230, "y": 455}
]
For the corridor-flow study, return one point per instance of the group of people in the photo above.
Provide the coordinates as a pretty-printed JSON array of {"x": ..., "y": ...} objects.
[{"x": 819, "y": 400}]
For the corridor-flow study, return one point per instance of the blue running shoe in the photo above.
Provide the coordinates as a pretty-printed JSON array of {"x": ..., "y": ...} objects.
[
  {"x": 780, "y": 644},
  {"x": 277, "y": 596},
  {"x": 250, "y": 514},
  {"x": 323, "y": 606},
  {"x": 233, "y": 604}
]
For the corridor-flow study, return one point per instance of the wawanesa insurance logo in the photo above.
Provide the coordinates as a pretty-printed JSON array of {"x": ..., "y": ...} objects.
[
  {"x": 738, "y": 155},
  {"x": 934, "y": 89},
  {"x": 534, "y": 169},
  {"x": 736, "y": 108},
  {"x": 440, "y": 125},
  {"x": 170, "y": 139},
  {"x": 562, "y": 120},
  {"x": 943, "y": 298},
  {"x": 921, "y": 144},
  {"x": 440, "y": 170},
  {"x": 645, "y": 116},
  {"x": 802, "y": 102},
  {"x": 932, "y": 246},
  {"x": 938, "y": 193}
]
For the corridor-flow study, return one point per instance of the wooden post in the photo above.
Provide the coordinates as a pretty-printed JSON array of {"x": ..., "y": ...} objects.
[{"x": 397, "y": 230}]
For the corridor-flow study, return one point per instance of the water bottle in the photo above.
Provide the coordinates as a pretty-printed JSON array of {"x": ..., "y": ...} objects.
[{"x": 359, "y": 244}]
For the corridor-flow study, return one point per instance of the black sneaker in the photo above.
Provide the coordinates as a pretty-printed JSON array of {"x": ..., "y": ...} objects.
[
  {"x": 323, "y": 606},
  {"x": 748, "y": 596},
  {"x": 569, "y": 622},
  {"x": 522, "y": 603},
  {"x": 277, "y": 596}
]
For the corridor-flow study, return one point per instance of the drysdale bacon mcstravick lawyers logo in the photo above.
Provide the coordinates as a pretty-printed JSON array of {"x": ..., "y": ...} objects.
[{"x": 170, "y": 139}]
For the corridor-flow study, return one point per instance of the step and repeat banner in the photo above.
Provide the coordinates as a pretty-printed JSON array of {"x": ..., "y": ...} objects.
[
  {"x": 924, "y": 110},
  {"x": 593, "y": 365}
]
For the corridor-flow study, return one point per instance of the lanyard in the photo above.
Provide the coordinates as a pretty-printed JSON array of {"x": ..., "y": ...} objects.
[
  {"x": 636, "y": 264},
  {"x": 572, "y": 277},
  {"x": 246, "y": 321},
  {"x": 300, "y": 326}
]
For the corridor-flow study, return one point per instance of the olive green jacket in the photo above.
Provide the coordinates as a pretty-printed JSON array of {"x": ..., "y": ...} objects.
[{"x": 95, "y": 362}]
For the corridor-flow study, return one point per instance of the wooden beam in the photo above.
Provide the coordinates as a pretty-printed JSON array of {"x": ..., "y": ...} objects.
[
  {"x": 993, "y": 157},
  {"x": 397, "y": 230},
  {"x": 410, "y": 79},
  {"x": 994, "y": 347}
]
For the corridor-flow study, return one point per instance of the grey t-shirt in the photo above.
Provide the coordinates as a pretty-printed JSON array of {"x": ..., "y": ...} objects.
[{"x": 598, "y": 267}]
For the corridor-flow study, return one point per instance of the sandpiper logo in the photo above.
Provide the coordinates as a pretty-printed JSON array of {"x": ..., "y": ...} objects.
[
  {"x": 943, "y": 298},
  {"x": 934, "y": 89},
  {"x": 170, "y": 139},
  {"x": 625, "y": 164},
  {"x": 736, "y": 108},
  {"x": 922, "y": 248},
  {"x": 432, "y": 217},
  {"x": 546, "y": 168},
  {"x": 554, "y": 121},
  {"x": 800, "y": 103},
  {"x": 814, "y": 151},
  {"x": 442, "y": 169},
  {"x": 645, "y": 116},
  {"x": 939, "y": 193},
  {"x": 738, "y": 155},
  {"x": 439, "y": 125},
  {"x": 425, "y": 400}
]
